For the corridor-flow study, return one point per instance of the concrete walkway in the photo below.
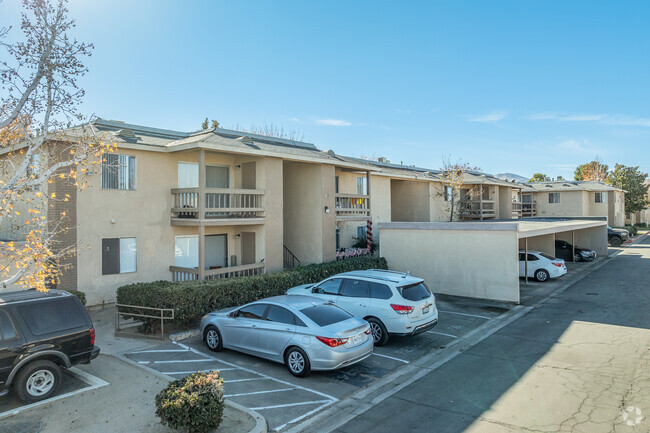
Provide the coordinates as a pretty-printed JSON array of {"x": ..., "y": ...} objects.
[{"x": 579, "y": 362}]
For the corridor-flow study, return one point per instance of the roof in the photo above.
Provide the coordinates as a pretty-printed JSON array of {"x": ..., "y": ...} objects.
[
  {"x": 28, "y": 295},
  {"x": 568, "y": 185}
]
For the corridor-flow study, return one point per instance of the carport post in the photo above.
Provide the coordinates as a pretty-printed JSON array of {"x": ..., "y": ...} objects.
[
  {"x": 526, "y": 259},
  {"x": 573, "y": 246}
]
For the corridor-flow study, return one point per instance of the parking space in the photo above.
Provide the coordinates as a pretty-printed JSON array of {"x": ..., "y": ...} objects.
[{"x": 282, "y": 399}]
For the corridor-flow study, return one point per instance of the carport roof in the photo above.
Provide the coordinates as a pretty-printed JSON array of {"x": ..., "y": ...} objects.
[{"x": 524, "y": 228}]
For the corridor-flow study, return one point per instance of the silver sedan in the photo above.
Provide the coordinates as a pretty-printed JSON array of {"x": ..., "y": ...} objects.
[{"x": 303, "y": 332}]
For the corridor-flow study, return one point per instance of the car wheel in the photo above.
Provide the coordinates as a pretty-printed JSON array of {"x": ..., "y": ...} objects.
[
  {"x": 576, "y": 257},
  {"x": 615, "y": 242},
  {"x": 541, "y": 275},
  {"x": 297, "y": 362},
  {"x": 379, "y": 332},
  {"x": 212, "y": 338},
  {"x": 37, "y": 381}
]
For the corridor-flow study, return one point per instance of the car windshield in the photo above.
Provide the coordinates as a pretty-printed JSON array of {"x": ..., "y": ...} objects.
[
  {"x": 324, "y": 314},
  {"x": 546, "y": 256},
  {"x": 415, "y": 292}
]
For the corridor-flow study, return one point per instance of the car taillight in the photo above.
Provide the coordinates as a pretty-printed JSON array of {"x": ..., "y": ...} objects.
[
  {"x": 92, "y": 336},
  {"x": 402, "y": 309},
  {"x": 367, "y": 331},
  {"x": 559, "y": 265},
  {"x": 332, "y": 342}
]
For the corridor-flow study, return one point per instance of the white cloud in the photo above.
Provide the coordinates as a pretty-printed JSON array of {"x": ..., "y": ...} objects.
[
  {"x": 493, "y": 117},
  {"x": 333, "y": 122},
  {"x": 564, "y": 117},
  {"x": 627, "y": 121}
]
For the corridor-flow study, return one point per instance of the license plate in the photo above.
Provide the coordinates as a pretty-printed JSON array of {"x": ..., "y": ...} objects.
[
  {"x": 425, "y": 310},
  {"x": 357, "y": 338}
]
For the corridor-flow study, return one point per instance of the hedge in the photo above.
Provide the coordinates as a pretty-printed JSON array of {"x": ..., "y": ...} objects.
[
  {"x": 192, "y": 299},
  {"x": 80, "y": 295}
]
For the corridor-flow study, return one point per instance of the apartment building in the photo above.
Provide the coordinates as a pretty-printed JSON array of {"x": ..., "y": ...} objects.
[
  {"x": 170, "y": 205},
  {"x": 574, "y": 198}
]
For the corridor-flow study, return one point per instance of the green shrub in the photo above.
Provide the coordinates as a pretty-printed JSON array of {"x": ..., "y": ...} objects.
[
  {"x": 192, "y": 299},
  {"x": 194, "y": 403},
  {"x": 641, "y": 225},
  {"x": 630, "y": 229},
  {"x": 78, "y": 294}
]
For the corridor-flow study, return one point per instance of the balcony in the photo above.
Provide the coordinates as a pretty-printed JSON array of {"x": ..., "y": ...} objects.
[
  {"x": 528, "y": 210},
  {"x": 516, "y": 209},
  {"x": 189, "y": 274},
  {"x": 477, "y": 209},
  {"x": 352, "y": 206},
  {"x": 221, "y": 206}
]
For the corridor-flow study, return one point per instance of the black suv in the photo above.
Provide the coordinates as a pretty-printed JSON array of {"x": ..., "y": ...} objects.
[
  {"x": 39, "y": 334},
  {"x": 616, "y": 237}
]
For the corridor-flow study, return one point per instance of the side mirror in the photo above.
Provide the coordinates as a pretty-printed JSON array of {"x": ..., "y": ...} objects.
[
  {"x": 314, "y": 289},
  {"x": 233, "y": 313}
]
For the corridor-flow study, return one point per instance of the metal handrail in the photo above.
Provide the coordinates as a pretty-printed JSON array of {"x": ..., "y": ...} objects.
[{"x": 161, "y": 316}]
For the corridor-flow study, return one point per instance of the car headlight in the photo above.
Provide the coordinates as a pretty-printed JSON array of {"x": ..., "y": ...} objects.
[{"x": 205, "y": 317}]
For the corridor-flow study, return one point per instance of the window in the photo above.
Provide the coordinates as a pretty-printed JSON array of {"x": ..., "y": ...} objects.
[
  {"x": 553, "y": 197},
  {"x": 415, "y": 292},
  {"x": 280, "y": 315},
  {"x": 338, "y": 238},
  {"x": 531, "y": 258},
  {"x": 54, "y": 316},
  {"x": 186, "y": 251},
  {"x": 217, "y": 176},
  {"x": 601, "y": 197},
  {"x": 447, "y": 193},
  {"x": 355, "y": 289},
  {"x": 380, "y": 291},
  {"x": 329, "y": 287},
  {"x": 362, "y": 186},
  {"x": 118, "y": 172},
  {"x": 486, "y": 193},
  {"x": 34, "y": 167},
  {"x": 119, "y": 255},
  {"x": 325, "y": 314},
  {"x": 361, "y": 232},
  {"x": 255, "y": 311},
  {"x": 188, "y": 175},
  {"x": 7, "y": 329},
  {"x": 336, "y": 184}
]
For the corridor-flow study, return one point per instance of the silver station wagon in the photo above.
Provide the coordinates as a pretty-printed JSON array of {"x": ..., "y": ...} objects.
[{"x": 303, "y": 332}]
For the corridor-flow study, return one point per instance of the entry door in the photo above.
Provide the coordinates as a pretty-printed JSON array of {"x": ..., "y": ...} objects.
[
  {"x": 247, "y": 248},
  {"x": 248, "y": 175},
  {"x": 216, "y": 251}
]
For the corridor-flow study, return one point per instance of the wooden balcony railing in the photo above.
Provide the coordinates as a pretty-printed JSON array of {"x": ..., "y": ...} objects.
[
  {"x": 352, "y": 205},
  {"x": 528, "y": 209},
  {"x": 477, "y": 209},
  {"x": 516, "y": 209},
  {"x": 219, "y": 203},
  {"x": 188, "y": 274}
]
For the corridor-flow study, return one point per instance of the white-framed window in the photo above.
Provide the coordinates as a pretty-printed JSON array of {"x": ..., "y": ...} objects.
[
  {"x": 186, "y": 251},
  {"x": 362, "y": 186},
  {"x": 118, "y": 171},
  {"x": 553, "y": 197},
  {"x": 361, "y": 232},
  {"x": 601, "y": 197},
  {"x": 119, "y": 255},
  {"x": 447, "y": 193}
]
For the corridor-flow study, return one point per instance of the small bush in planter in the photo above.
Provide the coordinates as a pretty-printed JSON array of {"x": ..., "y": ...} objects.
[{"x": 194, "y": 403}]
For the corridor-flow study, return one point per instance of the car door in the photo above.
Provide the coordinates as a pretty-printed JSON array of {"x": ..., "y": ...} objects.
[
  {"x": 533, "y": 264},
  {"x": 328, "y": 290},
  {"x": 241, "y": 331},
  {"x": 354, "y": 297},
  {"x": 276, "y": 331},
  {"x": 11, "y": 342}
]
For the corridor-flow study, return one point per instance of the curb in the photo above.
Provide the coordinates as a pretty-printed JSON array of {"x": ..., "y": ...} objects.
[
  {"x": 184, "y": 335},
  {"x": 260, "y": 422}
]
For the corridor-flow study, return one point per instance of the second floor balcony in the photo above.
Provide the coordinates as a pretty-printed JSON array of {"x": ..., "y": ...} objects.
[
  {"x": 217, "y": 206},
  {"x": 352, "y": 206},
  {"x": 477, "y": 209},
  {"x": 528, "y": 209}
]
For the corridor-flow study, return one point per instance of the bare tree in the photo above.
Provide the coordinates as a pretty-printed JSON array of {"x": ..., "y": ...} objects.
[
  {"x": 454, "y": 189},
  {"x": 39, "y": 99},
  {"x": 271, "y": 130}
]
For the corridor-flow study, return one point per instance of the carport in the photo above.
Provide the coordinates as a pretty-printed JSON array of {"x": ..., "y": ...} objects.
[{"x": 480, "y": 259}]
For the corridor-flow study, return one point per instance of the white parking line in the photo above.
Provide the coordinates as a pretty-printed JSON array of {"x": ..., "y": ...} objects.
[
  {"x": 247, "y": 380},
  {"x": 302, "y": 403},
  {"x": 441, "y": 333},
  {"x": 199, "y": 371},
  {"x": 465, "y": 314},
  {"x": 181, "y": 360},
  {"x": 259, "y": 392},
  {"x": 390, "y": 357},
  {"x": 157, "y": 351},
  {"x": 303, "y": 416}
]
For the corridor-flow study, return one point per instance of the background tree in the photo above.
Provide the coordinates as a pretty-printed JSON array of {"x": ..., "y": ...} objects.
[
  {"x": 38, "y": 99},
  {"x": 271, "y": 130},
  {"x": 454, "y": 176},
  {"x": 594, "y": 170},
  {"x": 205, "y": 124},
  {"x": 538, "y": 177},
  {"x": 631, "y": 180}
]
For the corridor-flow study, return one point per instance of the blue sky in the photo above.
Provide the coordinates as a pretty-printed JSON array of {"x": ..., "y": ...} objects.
[{"x": 504, "y": 85}]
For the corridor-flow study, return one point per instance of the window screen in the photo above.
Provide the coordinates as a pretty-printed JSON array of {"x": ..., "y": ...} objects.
[
  {"x": 118, "y": 172},
  {"x": 53, "y": 316},
  {"x": 553, "y": 197},
  {"x": 217, "y": 176}
]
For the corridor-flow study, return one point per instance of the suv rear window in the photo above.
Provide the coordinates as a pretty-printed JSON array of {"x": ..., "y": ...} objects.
[
  {"x": 53, "y": 316},
  {"x": 324, "y": 315},
  {"x": 415, "y": 292}
]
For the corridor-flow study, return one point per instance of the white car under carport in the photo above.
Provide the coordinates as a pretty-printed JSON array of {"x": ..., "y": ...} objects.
[{"x": 540, "y": 265}]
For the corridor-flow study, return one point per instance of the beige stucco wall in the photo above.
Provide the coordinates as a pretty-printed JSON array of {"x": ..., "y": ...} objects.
[
  {"x": 438, "y": 207},
  {"x": 409, "y": 200},
  {"x": 572, "y": 203},
  {"x": 486, "y": 270},
  {"x": 145, "y": 212},
  {"x": 505, "y": 202},
  {"x": 597, "y": 209},
  {"x": 616, "y": 208},
  {"x": 544, "y": 244}
]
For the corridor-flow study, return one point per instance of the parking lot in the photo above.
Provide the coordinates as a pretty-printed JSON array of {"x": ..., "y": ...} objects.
[{"x": 282, "y": 399}]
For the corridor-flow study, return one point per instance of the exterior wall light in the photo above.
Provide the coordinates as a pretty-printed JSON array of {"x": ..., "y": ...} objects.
[
  {"x": 327, "y": 209},
  {"x": 237, "y": 236}
]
